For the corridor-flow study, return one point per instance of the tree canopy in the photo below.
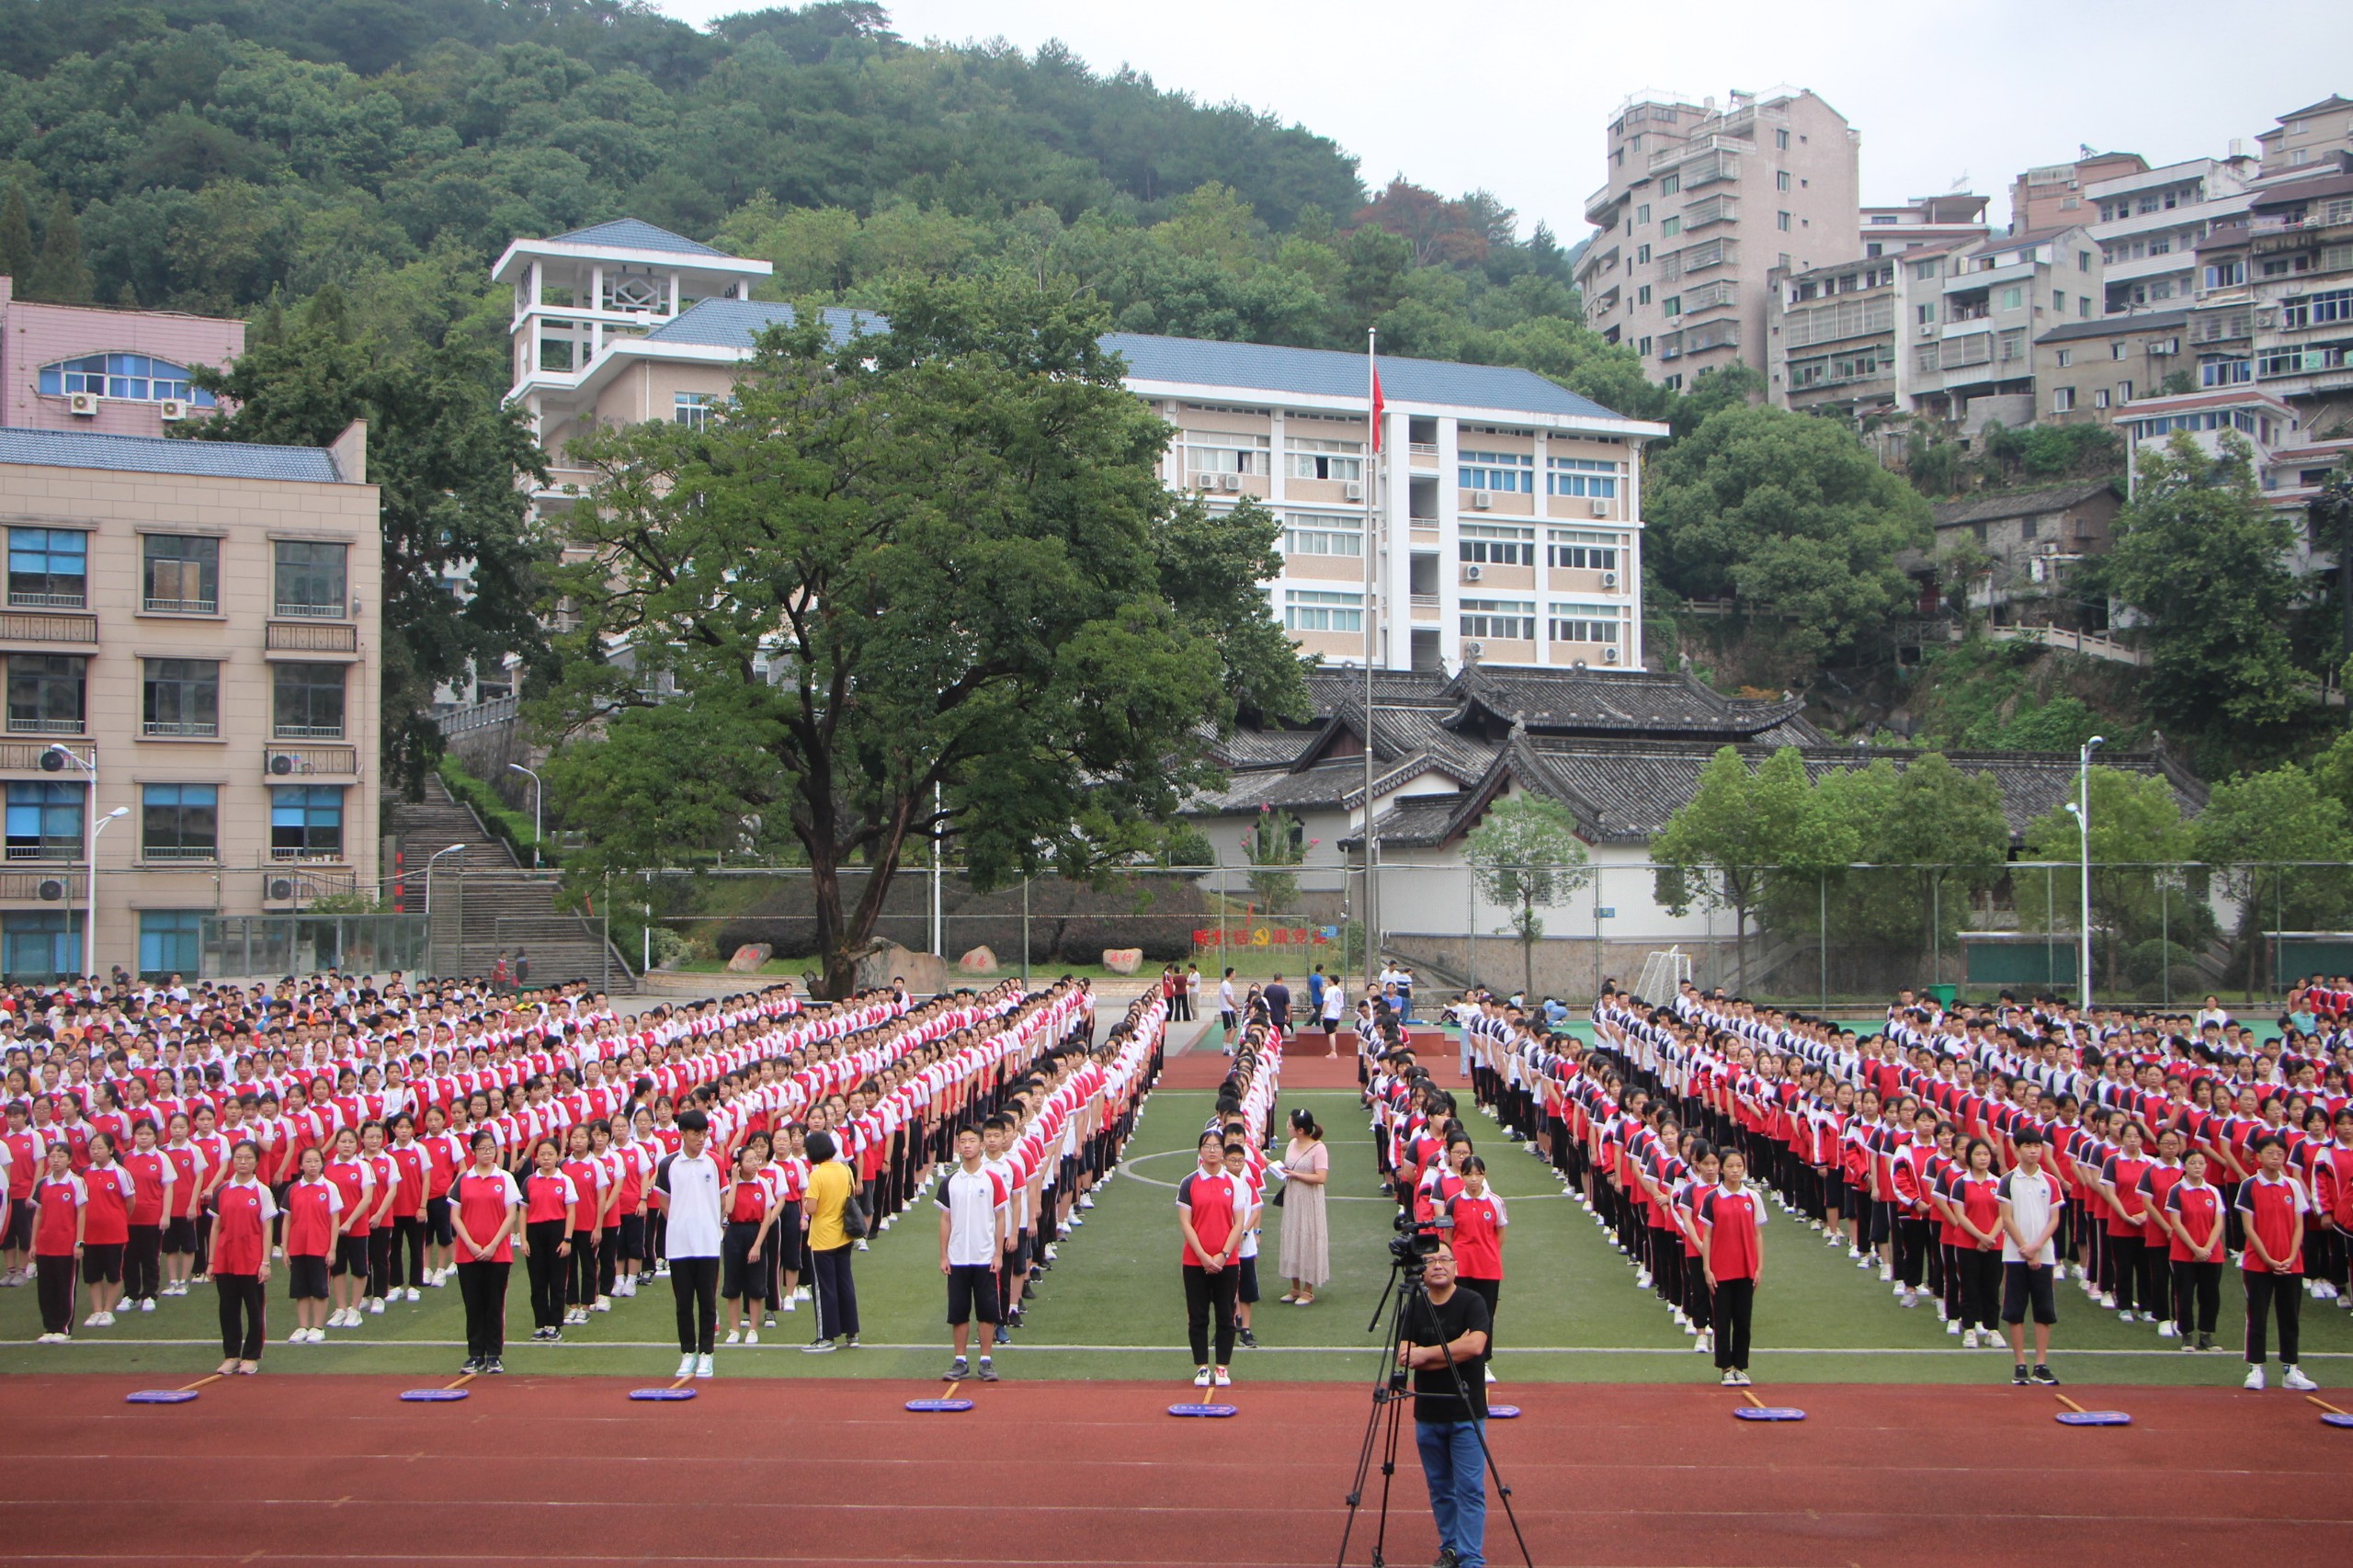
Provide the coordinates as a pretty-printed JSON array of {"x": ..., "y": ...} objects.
[
  {"x": 1527, "y": 856},
  {"x": 922, "y": 584}
]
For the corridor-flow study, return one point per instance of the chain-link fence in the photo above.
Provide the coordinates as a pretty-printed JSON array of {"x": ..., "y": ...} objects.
[{"x": 2161, "y": 933}]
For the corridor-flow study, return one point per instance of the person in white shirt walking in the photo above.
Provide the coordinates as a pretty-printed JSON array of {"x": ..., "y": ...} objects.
[
  {"x": 975, "y": 1230},
  {"x": 1229, "y": 1009},
  {"x": 690, "y": 1184}
]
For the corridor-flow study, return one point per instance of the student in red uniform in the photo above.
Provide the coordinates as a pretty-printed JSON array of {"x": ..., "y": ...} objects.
[
  {"x": 2272, "y": 1206},
  {"x": 1210, "y": 1207},
  {"x": 63, "y": 1209},
  {"x": 186, "y": 1203},
  {"x": 445, "y": 1150},
  {"x": 748, "y": 1204},
  {"x": 355, "y": 1184},
  {"x": 2191, "y": 1215},
  {"x": 1731, "y": 1254},
  {"x": 549, "y": 1197},
  {"x": 242, "y": 1209},
  {"x": 485, "y": 1211},
  {"x": 1478, "y": 1239},
  {"x": 383, "y": 1173},
  {"x": 152, "y": 1177},
  {"x": 28, "y": 1155},
  {"x": 314, "y": 1207},
  {"x": 1973, "y": 1205},
  {"x": 412, "y": 1174},
  {"x": 106, "y": 1229},
  {"x": 588, "y": 1182}
]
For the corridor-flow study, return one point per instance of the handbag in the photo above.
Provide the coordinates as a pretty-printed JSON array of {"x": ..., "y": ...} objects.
[
  {"x": 1276, "y": 1201},
  {"x": 854, "y": 1223}
]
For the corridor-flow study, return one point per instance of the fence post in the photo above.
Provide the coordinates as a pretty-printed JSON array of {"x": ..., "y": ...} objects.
[
  {"x": 1822, "y": 949},
  {"x": 1936, "y": 928},
  {"x": 2165, "y": 941}
]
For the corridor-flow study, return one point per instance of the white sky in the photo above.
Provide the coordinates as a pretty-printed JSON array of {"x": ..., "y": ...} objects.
[{"x": 1514, "y": 95}]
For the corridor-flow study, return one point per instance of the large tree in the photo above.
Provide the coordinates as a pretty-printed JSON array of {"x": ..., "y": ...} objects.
[
  {"x": 2138, "y": 845},
  {"x": 1789, "y": 517},
  {"x": 2204, "y": 560},
  {"x": 918, "y": 587},
  {"x": 1928, "y": 836},
  {"x": 1527, "y": 856},
  {"x": 1740, "y": 834},
  {"x": 449, "y": 458},
  {"x": 2261, "y": 834}
]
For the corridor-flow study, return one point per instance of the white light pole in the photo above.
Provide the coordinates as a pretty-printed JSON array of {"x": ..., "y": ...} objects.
[
  {"x": 2082, "y": 813},
  {"x": 537, "y": 832},
  {"x": 90, "y": 916},
  {"x": 429, "y": 872},
  {"x": 54, "y": 760}
]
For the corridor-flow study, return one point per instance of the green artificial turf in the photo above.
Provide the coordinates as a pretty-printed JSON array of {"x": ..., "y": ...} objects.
[{"x": 1113, "y": 1308}]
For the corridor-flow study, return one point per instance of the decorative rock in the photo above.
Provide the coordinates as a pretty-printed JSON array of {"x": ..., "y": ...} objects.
[
  {"x": 926, "y": 974},
  {"x": 1123, "y": 960},
  {"x": 980, "y": 961},
  {"x": 749, "y": 958}
]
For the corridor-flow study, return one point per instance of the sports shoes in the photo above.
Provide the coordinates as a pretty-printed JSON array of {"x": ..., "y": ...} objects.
[
  {"x": 2018, "y": 1376},
  {"x": 1744, "y": 1379},
  {"x": 792, "y": 1302},
  {"x": 686, "y": 1365},
  {"x": 146, "y": 1303},
  {"x": 2128, "y": 1315},
  {"x": 2205, "y": 1342},
  {"x": 703, "y": 1367},
  {"x": 1907, "y": 1299},
  {"x": 475, "y": 1365},
  {"x": 957, "y": 1370},
  {"x": 1248, "y": 1340},
  {"x": 820, "y": 1347},
  {"x": 2045, "y": 1376},
  {"x": 1222, "y": 1379},
  {"x": 494, "y": 1367},
  {"x": 734, "y": 1337},
  {"x": 849, "y": 1342},
  {"x": 751, "y": 1336},
  {"x": 1952, "y": 1326},
  {"x": 602, "y": 1304},
  {"x": 2254, "y": 1379},
  {"x": 300, "y": 1336},
  {"x": 1201, "y": 1378},
  {"x": 1731, "y": 1378},
  {"x": 2167, "y": 1331},
  {"x": 376, "y": 1307},
  {"x": 1706, "y": 1344},
  {"x": 2293, "y": 1378},
  {"x": 413, "y": 1295},
  {"x": 988, "y": 1372}
]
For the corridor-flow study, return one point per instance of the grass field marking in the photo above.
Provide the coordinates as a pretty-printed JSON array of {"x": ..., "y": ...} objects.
[{"x": 1936, "y": 1351}]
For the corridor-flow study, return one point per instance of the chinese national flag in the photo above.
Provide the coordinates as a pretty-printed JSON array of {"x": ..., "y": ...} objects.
[{"x": 1380, "y": 406}]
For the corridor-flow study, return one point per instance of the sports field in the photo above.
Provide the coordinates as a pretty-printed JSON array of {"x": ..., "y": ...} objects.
[{"x": 1625, "y": 1453}]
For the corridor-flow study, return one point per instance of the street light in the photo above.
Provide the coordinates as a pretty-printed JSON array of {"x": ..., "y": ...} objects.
[
  {"x": 90, "y": 915},
  {"x": 2083, "y": 820},
  {"x": 54, "y": 760},
  {"x": 536, "y": 833},
  {"x": 429, "y": 872}
]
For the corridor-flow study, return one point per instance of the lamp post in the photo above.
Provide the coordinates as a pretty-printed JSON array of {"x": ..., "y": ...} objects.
[
  {"x": 90, "y": 915},
  {"x": 429, "y": 873},
  {"x": 54, "y": 760},
  {"x": 2082, "y": 813},
  {"x": 537, "y": 832}
]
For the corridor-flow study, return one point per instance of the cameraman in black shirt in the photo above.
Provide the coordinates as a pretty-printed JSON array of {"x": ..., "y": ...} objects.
[{"x": 1444, "y": 1349}]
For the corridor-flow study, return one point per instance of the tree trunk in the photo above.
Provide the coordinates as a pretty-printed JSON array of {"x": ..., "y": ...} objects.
[{"x": 1527, "y": 951}]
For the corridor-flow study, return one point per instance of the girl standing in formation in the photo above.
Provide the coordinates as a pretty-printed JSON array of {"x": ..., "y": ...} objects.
[
  {"x": 64, "y": 1208},
  {"x": 313, "y": 1205},
  {"x": 549, "y": 1199},
  {"x": 1478, "y": 1238},
  {"x": 485, "y": 1210},
  {"x": 242, "y": 1209},
  {"x": 1733, "y": 1253},
  {"x": 106, "y": 1229}
]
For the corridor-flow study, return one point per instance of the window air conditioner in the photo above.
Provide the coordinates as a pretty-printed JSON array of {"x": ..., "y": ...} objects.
[
  {"x": 285, "y": 762},
  {"x": 1472, "y": 573},
  {"x": 1482, "y": 500},
  {"x": 83, "y": 403},
  {"x": 52, "y": 890},
  {"x": 281, "y": 889},
  {"x": 1600, "y": 509},
  {"x": 173, "y": 409},
  {"x": 1610, "y": 579},
  {"x": 1609, "y": 655},
  {"x": 1229, "y": 482},
  {"x": 1474, "y": 649},
  {"x": 1356, "y": 490},
  {"x": 1928, "y": 329}
]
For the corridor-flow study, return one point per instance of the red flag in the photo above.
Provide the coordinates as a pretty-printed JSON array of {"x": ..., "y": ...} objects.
[{"x": 1380, "y": 406}]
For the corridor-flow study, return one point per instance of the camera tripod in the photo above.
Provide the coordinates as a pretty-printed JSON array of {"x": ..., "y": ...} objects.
[{"x": 1393, "y": 1393}]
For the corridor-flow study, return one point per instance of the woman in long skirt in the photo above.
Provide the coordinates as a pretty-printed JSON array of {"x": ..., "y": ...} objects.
[{"x": 1306, "y": 1241}]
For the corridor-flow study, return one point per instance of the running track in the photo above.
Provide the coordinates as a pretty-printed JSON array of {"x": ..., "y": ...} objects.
[{"x": 334, "y": 1471}]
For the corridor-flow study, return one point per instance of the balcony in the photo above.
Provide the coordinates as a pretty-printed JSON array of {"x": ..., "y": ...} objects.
[
  {"x": 27, "y": 724},
  {"x": 179, "y": 607},
  {"x": 333, "y": 611},
  {"x": 1422, "y": 525},
  {"x": 1422, "y": 454},
  {"x": 37, "y": 887},
  {"x": 1423, "y": 608},
  {"x": 1598, "y": 205},
  {"x": 312, "y": 637},
  {"x": 1697, "y": 145},
  {"x": 181, "y": 853},
  {"x": 75, "y": 600},
  {"x": 180, "y": 728},
  {"x": 24, "y": 757},
  {"x": 32, "y": 626},
  {"x": 60, "y": 850},
  {"x": 283, "y": 762}
]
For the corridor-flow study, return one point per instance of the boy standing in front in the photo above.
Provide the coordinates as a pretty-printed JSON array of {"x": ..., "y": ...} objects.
[
  {"x": 2032, "y": 1201},
  {"x": 973, "y": 1205}
]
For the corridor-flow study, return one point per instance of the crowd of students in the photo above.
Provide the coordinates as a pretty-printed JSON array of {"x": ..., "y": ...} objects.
[
  {"x": 381, "y": 1141},
  {"x": 1974, "y": 1157}
]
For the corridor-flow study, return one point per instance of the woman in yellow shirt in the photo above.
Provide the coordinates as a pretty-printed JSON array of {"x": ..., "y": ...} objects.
[{"x": 830, "y": 1247}]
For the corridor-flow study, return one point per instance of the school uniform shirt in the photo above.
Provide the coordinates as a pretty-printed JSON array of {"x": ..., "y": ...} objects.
[
  {"x": 240, "y": 1229},
  {"x": 548, "y": 1195},
  {"x": 2032, "y": 1200},
  {"x": 111, "y": 1192},
  {"x": 1478, "y": 1234},
  {"x": 28, "y": 1155},
  {"x": 973, "y": 1200},
  {"x": 588, "y": 1182},
  {"x": 311, "y": 1209},
  {"x": 479, "y": 1202},
  {"x": 690, "y": 1187},
  {"x": 2197, "y": 1208},
  {"x": 152, "y": 1176},
  {"x": 355, "y": 1181},
  {"x": 1734, "y": 1219},
  {"x": 751, "y": 1204},
  {"x": 61, "y": 1199},
  {"x": 2270, "y": 1208},
  {"x": 1217, "y": 1203},
  {"x": 411, "y": 1167}
]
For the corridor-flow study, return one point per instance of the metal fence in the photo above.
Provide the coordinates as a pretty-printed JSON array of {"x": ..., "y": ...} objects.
[
  {"x": 304, "y": 944},
  {"x": 2162, "y": 934}
]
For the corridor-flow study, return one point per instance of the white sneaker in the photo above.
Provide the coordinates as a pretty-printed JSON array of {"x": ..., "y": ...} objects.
[
  {"x": 1886, "y": 1272},
  {"x": 1222, "y": 1379},
  {"x": 791, "y": 1303},
  {"x": 702, "y": 1367},
  {"x": 801, "y": 1293},
  {"x": 863, "y": 1247},
  {"x": 2128, "y": 1315},
  {"x": 1201, "y": 1378},
  {"x": 2293, "y": 1378},
  {"x": 318, "y": 1336},
  {"x": 601, "y": 1304},
  {"x": 686, "y": 1365},
  {"x": 1706, "y": 1344},
  {"x": 413, "y": 1295},
  {"x": 2107, "y": 1300},
  {"x": 1952, "y": 1327},
  {"x": 106, "y": 1320},
  {"x": 2254, "y": 1380},
  {"x": 751, "y": 1336},
  {"x": 376, "y": 1307},
  {"x": 1641, "y": 1279},
  {"x": 2167, "y": 1331},
  {"x": 300, "y": 1336},
  {"x": 734, "y": 1337},
  {"x": 1968, "y": 1338},
  {"x": 146, "y": 1303}
]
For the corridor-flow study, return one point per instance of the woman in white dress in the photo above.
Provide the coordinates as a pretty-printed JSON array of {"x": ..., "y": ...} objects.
[{"x": 1306, "y": 1242}]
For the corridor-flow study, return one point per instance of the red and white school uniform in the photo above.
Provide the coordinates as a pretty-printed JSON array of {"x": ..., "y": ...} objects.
[
  {"x": 312, "y": 1207},
  {"x": 243, "y": 1210},
  {"x": 479, "y": 1202}
]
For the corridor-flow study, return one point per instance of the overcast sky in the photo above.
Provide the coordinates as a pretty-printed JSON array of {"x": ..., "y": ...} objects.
[{"x": 1514, "y": 95}]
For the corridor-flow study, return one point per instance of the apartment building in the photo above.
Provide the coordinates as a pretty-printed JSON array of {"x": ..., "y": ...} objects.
[
  {"x": 117, "y": 372},
  {"x": 2317, "y": 133},
  {"x": 2087, "y": 371},
  {"x": 192, "y": 662},
  {"x": 1703, "y": 201},
  {"x": 1972, "y": 344},
  {"x": 2149, "y": 224},
  {"x": 1504, "y": 523},
  {"x": 2055, "y": 196},
  {"x": 1934, "y": 223},
  {"x": 2275, "y": 304},
  {"x": 1831, "y": 341}
]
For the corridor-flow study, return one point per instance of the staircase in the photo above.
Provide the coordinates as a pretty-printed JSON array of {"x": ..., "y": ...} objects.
[{"x": 482, "y": 904}]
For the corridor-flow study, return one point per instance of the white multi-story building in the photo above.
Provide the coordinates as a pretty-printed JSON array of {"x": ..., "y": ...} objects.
[
  {"x": 1503, "y": 518},
  {"x": 2150, "y": 222}
]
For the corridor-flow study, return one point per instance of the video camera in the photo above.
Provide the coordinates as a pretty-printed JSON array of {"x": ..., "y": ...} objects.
[{"x": 1415, "y": 1240}]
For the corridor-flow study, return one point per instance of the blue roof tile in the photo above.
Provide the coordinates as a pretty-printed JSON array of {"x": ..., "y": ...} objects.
[
  {"x": 154, "y": 454},
  {"x": 737, "y": 324},
  {"x": 636, "y": 234}
]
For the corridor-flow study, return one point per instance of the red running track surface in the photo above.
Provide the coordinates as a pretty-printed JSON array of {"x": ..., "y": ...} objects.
[{"x": 337, "y": 1471}]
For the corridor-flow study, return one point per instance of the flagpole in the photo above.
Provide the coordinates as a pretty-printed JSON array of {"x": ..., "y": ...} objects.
[{"x": 1372, "y": 622}]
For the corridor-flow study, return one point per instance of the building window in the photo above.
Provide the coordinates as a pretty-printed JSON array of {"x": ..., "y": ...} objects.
[
  {"x": 45, "y": 821},
  {"x": 2013, "y": 344},
  {"x": 1568, "y": 551},
  {"x": 1924, "y": 272},
  {"x": 1584, "y": 623},
  {"x": 2100, "y": 397},
  {"x": 45, "y": 693},
  {"x": 1926, "y": 314},
  {"x": 305, "y": 821},
  {"x": 1509, "y": 621},
  {"x": 180, "y": 575},
  {"x": 307, "y": 702},
  {"x": 49, "y": 568},
  {"x": 1309, "y": 534},
  {"x": 134, "y": 378},
  {"x": 1486, "y": 544},
  {"x": 1643, "y": 295},
  {"x": 2067, "y": 357},
  {"x": 1780, "y": 140},
  {"x": 1643, "y": 346},
  {"x": 2210, "y": 373},
  {"x": 1668, "y": 184},
  {"x": 311, "y": 579},
  {"x": 180, "y": 822},
  {"x": 2226, "y": 275},
  {"x": 1781, "y": 180},
  {"x": 2084, "y": 307},
  {"x": 694, "y": 410},
  {"x": 1582, "y": 476},
  {"x": 181, "y": 697},
  {"x": 171, "y": 941},
  {"x": 1643, "y": 213},
  {"x": 2114, "y": 351},
  {"x": 1316, "y": 459},
  {"x": 2013, "y": 298},
  {"x": 1641, "y": 255},
  {"x": 2063, "y": 399},
  {"x": 1218, "y": 451},
  {"x": 39, "y": 946},
  {"x": 1512, "y": 472},
  {"x": 1310, "y": 609},
  {"x": 1782, "y": 222},
  {"x": 2029, "y": 530},
  {"x": 2123, "y": 392},
  {"x": 1669, "y": 227}
]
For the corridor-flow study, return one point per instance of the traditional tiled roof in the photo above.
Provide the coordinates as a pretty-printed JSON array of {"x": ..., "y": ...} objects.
[
  {"x": 158, "y": 454},
  {"x": 1331, "y": 373},
  {"x": 636, "y": 234},
  {"x": 1616, "y": 701},
  {"x": 2019, "y": 502},
  {"x": 737, "y": 324},
  {"x": 2116, "y": 326},
  {"x": 1247, "y": 749}
]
